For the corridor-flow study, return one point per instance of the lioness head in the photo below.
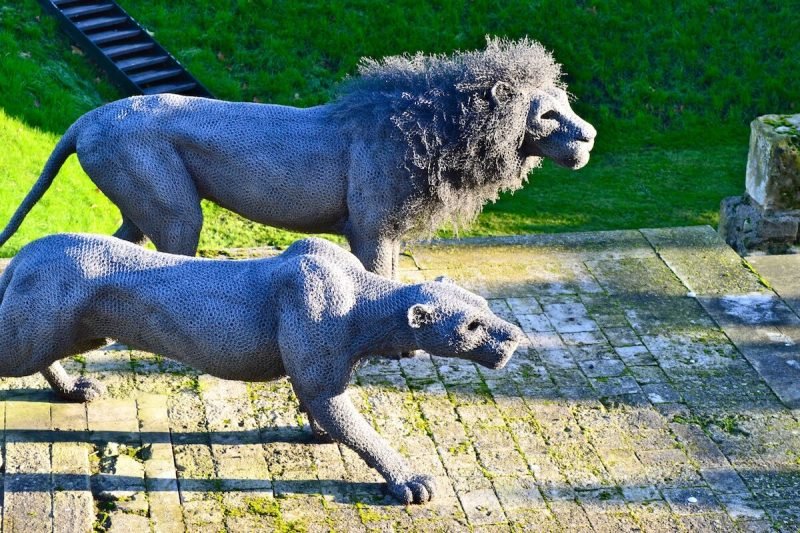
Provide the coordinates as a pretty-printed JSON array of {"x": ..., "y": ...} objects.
[
  {"x": 453, "y": 322},
  {"x": 554, "y": 131}
]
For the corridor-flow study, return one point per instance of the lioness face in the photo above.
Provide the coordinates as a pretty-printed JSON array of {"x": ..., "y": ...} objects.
[
  {"x": 457, "y": 323},
  {"x": 554, "y": 131}
]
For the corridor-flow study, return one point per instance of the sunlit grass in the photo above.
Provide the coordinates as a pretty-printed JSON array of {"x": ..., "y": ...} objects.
[
  {"x": 670, "y": 88},
  {"x": 73, "y": 203},
  {"x": 642, "y": 188}
]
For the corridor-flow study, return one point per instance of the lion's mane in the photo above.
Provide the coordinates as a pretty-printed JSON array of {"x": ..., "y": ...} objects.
[{"x": 460, "y": 148}]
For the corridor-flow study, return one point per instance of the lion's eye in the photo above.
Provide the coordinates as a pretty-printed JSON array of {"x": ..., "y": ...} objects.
[
  {"x": 474, "y": 325},
  {"x": 550, "y": 115}
]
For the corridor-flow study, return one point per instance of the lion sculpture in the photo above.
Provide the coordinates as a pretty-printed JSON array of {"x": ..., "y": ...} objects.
[
  {"x": 310, "y": 313},
  {"x": 411, "y": 143}
]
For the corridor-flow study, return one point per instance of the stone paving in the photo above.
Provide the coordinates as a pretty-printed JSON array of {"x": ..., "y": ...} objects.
[{"x": 659, "y": 391}]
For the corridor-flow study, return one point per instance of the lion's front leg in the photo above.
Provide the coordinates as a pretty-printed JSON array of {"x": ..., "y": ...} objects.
[
  {"x": 337, "y": 416},
  {"x": 378, "y": 254}
]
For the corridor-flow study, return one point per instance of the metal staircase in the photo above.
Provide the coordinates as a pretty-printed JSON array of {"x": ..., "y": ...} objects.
[{"x": 133, "y": 59}]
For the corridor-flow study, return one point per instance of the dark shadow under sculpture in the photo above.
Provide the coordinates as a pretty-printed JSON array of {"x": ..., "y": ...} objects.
[
  {"x": 409, "y": 144},
  {"x": 309, "y": 313}
]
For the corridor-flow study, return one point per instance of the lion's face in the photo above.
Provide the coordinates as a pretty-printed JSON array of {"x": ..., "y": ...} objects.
[
  {"x": 554, "y": 131},
  {"x": 456, "y": 323}
]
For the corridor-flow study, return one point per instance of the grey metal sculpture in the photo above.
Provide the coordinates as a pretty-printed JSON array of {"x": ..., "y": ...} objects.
[
  {"x": 310, "y": 313},
  {"x": 411, "y": 143}
]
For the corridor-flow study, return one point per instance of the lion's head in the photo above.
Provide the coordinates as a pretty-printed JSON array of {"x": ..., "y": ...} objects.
[
  {"x": 469, "y": 125},
  {"x": 555, "y": 132}
]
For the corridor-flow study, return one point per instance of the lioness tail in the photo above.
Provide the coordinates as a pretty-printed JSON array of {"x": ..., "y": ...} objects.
[{"x": 65, "y": 147}]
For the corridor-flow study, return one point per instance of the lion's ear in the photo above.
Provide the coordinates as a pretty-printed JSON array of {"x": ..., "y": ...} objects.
[
  {"x": 419, "y": 315},
  {"x": 502, "y": 93},
  {"x": 445, "y": 279}
]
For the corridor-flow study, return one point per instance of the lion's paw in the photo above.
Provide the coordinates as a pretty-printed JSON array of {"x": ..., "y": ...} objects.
[
  {"x": 418, "y": 489},
  {"x": 85, "y": 390}
]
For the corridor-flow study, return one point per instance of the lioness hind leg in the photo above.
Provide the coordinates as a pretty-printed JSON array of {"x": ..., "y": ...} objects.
[
  {"x": 319, "y": 435},
  {"x": 77, "y": 389}
]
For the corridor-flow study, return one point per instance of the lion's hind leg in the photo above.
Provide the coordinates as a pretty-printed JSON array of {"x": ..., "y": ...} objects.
[
  {"x": 168, "y": 206},
  {"x": 128, "y": 231},
  {"x": 154, "y": 192}
]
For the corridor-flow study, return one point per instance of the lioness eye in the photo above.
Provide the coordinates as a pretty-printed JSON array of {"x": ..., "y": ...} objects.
[
  {"x": 550, "y": 115},
  {"x": 473, "y": 325}
]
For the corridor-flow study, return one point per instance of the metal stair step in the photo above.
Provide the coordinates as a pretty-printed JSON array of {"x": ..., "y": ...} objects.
[
  {"x": 126, "y": 49},
  {"x": 113, "y": 36},
  {"x": 150, "y": 76},
  {"x": 82, "y": 11},
  {"x": 135, "y": 63},
  {"x": 170, "y": 88},
  {"x": 99, "y": 22}
]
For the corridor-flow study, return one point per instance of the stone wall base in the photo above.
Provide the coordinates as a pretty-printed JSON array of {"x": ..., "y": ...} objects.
[{"x": 748, "y": 228}]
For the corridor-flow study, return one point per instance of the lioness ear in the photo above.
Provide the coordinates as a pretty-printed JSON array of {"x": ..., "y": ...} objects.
[
  {"x": 502, "y": 93},
  {"x": 419, "y": 315},
  {"x": 445, "y": 279}
]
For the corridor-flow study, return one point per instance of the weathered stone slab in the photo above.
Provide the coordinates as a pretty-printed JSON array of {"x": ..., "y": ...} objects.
[
  {"x": 73, "y": 505},
  {"x": 126, "y": 523},
  {"x": 27, "y": 488},
  {"x": 27, "y": 484},
  {"x": 703, "y": 262},
  {"x": 629, "y": 393},
  {"x": 756, "y": 324},
  {"x": 759, "y": 323},
  {"x": 695, "y": 500},
  {"x": 159, "y": 464},
  {"x": 482, "y": 506},
  {"x": 113, "y": 420},
  {"x": 780, "y": 271},
  {"x": 570, "y": 515},
  {"x": 524, "y": 248},
  {"x": 649, "y": 294}
]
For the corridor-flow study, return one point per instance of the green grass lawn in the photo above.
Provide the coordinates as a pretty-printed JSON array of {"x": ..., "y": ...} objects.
[
  {"x": 671, "y": 90},
  {"x": 639, "y": 188}
]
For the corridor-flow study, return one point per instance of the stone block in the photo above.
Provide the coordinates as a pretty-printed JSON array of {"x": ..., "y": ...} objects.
[
  {"x": 773, "y": 163},
  {"x": 746, "y": 227},
  {"x": 767, "y": 216}
]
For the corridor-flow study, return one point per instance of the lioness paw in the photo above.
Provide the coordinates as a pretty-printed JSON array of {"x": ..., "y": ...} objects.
[
  {"x": 418, "y": 489},
  {"x": 84, "y": 390}
]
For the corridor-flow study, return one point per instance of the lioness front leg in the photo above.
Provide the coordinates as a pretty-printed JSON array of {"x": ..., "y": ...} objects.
[
  {"x": 320, "y": 435},
  {"x": 337, "y": 416}
]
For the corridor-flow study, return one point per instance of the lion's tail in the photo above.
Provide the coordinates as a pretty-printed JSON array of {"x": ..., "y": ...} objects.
[{"x": 65, "y": 147}]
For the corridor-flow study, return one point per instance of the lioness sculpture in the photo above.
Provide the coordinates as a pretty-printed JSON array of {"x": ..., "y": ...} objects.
[
  {"x": 411, "y": 143},
  {"x": 310, "y": 313}
]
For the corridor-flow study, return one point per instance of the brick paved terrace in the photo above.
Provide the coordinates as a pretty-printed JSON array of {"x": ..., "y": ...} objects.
[{"x": 659, "y": 391}]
